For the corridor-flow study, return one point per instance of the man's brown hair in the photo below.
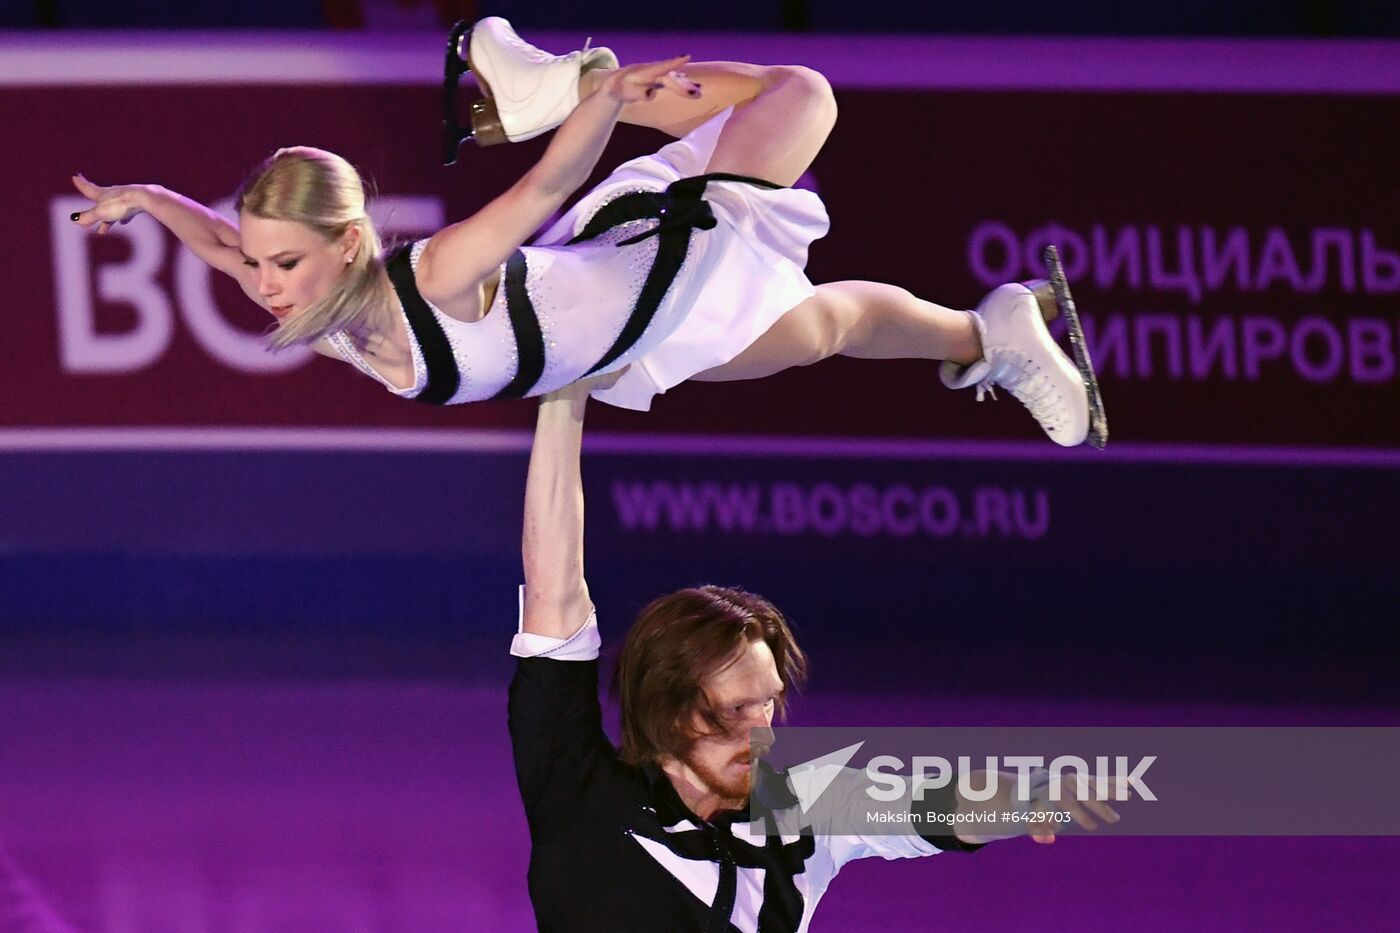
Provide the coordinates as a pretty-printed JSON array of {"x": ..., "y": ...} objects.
[{"x": 677, "y": 642}]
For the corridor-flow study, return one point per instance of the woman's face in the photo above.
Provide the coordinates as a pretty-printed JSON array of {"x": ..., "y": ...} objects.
[{"x": 294, "y": 265}]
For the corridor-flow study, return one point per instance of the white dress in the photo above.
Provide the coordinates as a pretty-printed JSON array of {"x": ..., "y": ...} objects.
[{"x": 565, "y": 309}]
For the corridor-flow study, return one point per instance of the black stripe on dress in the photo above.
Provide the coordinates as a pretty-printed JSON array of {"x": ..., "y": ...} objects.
[
  {"x": 443, "y": 377},
  {"x": 529, "y": 340}
]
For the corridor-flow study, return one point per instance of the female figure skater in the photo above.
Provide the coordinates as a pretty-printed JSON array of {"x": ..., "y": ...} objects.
[{"x": 685, "y": 264}]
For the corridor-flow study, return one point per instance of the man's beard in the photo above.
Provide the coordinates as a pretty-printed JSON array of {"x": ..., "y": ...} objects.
[{"x": 728, "y": 784}]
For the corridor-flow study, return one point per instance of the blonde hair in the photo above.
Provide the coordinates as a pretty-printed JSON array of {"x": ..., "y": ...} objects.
[{"x": 323, "y": 191}]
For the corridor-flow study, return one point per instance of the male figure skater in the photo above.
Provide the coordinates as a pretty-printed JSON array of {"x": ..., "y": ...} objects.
[{"x": 654, "y": 834}]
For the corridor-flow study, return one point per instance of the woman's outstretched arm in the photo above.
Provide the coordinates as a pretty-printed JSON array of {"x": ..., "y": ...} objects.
[
  {"x": 458, "y": 257},
  {"x": 208, "y": 235}
]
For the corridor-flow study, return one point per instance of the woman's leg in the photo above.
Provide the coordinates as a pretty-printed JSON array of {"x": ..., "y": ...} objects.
[
  {"x": 867, "y": 320},
  {"x": 777, "y": 134},
  {"x": 874, "y": 321},
  {"x": 783, "y": 114}
]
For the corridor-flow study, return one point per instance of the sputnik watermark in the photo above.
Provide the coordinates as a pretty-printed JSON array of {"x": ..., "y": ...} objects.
[
  {"x": 1112, "y": 777},
  {"x": 1150, "y": 781}
]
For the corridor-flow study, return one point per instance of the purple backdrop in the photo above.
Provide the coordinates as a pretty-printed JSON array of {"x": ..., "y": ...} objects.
[{"x": 198, "y": 731}]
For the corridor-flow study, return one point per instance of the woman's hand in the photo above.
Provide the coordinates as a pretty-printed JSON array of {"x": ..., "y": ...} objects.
[
  {"x": 115, "y": 204},
  {"x": 642, "y": 82}
]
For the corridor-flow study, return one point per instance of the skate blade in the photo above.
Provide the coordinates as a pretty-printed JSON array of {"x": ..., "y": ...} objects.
[
  {"x": 1064, "y": 302},
  {"x": 454, "y": 66},
  {"x": 486, "y": 128}
]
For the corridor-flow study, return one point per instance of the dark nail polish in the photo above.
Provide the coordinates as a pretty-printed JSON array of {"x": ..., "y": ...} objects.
[{"x": 73, "y": 216}]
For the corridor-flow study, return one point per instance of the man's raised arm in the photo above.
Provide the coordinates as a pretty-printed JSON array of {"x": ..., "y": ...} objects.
[
  {"x": 556, "y": 602},
  {"x": 554, "y": 715}
]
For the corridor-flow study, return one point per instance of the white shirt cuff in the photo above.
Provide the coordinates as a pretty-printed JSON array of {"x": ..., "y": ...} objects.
[{"x": 582, "y": 645}]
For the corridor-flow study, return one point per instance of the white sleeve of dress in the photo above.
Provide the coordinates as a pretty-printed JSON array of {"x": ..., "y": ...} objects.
[{"x": 582, "y": 645}]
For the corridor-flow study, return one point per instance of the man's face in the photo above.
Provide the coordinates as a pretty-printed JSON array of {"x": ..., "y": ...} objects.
[{"x": 742, "y": 696}]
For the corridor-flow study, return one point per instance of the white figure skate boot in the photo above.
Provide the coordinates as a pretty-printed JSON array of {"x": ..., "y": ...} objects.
[
  {"x": 528, "y": 91},
  {"x": 1019, "y": 354}
]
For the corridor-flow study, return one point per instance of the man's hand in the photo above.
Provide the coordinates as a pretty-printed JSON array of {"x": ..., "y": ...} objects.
[
  {"x": 580, "y": 390},
  {"x": 1043, "y": 816},
  {"x": 1077, "y": 798}
]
